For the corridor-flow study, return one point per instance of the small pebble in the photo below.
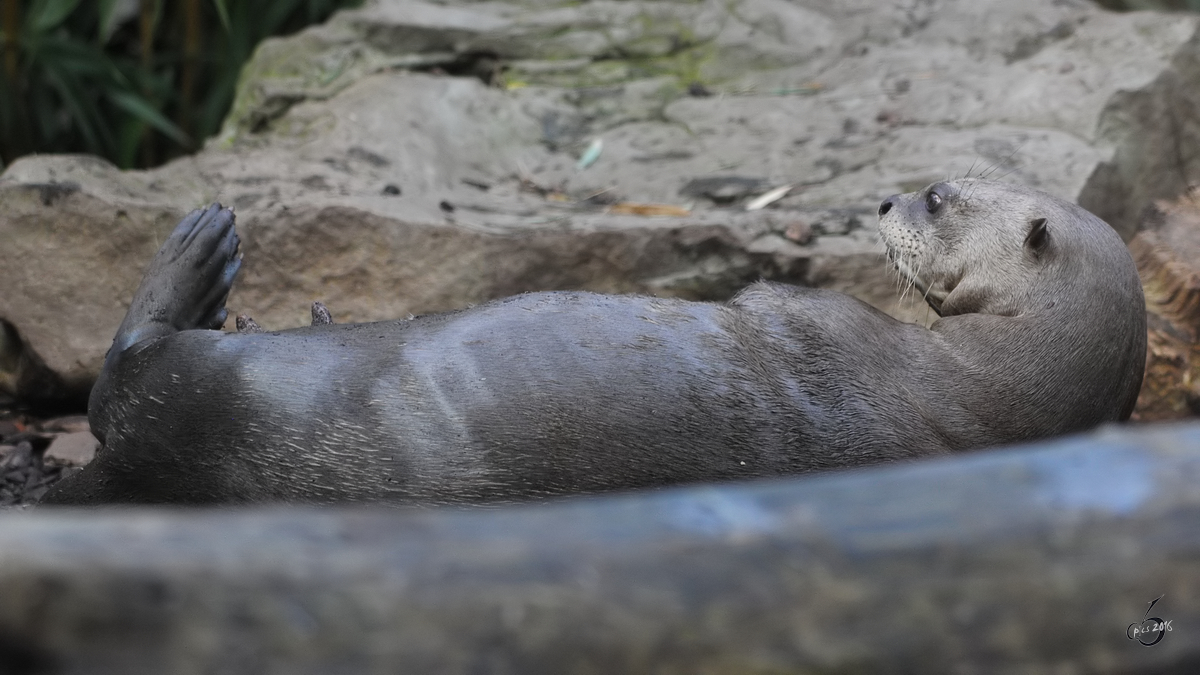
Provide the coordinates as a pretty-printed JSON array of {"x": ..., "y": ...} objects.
[
  {"x": 38, "y": 454},
  {"x": 245, "y": 324},
  {"x": 20, "y": 457},
  {"x": 320, "y": 314},
  {"x": 798, "y": 232},
  {"x": 77, "y": 448}
]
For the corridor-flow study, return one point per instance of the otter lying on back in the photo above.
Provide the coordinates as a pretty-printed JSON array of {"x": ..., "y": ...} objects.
[{"x": 1042, "y": 332}]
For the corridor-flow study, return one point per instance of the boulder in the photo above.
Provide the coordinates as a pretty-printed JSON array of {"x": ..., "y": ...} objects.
[
  {"x": 408, "y": 157},
  {"x": 1041, "y": 559}
]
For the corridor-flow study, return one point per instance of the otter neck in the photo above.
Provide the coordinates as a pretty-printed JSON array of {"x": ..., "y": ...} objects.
[{"x": 1048, "y": 372}]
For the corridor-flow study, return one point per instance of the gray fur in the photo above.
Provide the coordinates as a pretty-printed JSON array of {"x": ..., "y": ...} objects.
[{"x": 561, "y": 393}]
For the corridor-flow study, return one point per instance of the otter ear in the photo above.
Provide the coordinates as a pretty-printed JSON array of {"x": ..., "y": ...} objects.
[{"x": 1038, "y": 238}]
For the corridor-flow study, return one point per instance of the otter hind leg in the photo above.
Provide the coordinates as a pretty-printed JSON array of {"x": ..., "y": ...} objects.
[
  {"x": 188, "y": 281},
  {"x": 184, "y": 288}
]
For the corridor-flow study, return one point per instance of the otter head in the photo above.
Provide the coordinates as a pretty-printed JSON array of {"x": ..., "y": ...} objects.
[
  {"x": 1033, "y": 290},
  {"x": 974, "y": 246}
]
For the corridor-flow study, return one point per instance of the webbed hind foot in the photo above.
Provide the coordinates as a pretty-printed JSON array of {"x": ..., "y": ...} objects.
[{"x": 188, "y": 281}]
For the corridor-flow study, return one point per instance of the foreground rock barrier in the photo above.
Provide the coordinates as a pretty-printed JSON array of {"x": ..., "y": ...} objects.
[{"x": 1043, "y": 559}]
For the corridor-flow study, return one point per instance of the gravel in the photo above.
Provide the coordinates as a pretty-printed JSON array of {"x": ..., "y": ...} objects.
[{"x": 25, "y": 472}]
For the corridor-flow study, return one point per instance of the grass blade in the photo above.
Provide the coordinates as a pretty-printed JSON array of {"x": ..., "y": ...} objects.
[
  {"x": 141, "y": 109},
  {"x": 48, "y": 14},
  {"x": 222, "y": 13}
]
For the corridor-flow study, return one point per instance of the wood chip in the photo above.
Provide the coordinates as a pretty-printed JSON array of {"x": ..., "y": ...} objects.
[
  {"x": 591, "y": 154},
  {"x": 633, "y": 209},
  {"x": 768, "y": 198}
]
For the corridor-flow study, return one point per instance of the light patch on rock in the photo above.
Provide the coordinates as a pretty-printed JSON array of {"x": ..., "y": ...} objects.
[{"x": 77, "y": 448}]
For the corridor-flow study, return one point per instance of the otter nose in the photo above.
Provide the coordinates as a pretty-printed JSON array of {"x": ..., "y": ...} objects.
[{"x": 887, "y": 204}]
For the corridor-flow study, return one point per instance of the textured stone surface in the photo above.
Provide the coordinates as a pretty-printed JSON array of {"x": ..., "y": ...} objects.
[
  {"x": 1167, "y": 251},
  {"x": 75, "y": 449},
  {"x": 412, "y": 157},
  {"x": 1033, "y": 560}
]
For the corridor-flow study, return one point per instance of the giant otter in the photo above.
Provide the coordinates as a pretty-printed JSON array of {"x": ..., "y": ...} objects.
[{"x": 1041, "y": 332}]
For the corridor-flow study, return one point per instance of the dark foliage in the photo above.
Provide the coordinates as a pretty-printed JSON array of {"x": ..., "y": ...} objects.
[{"x": 135, "y": 81}]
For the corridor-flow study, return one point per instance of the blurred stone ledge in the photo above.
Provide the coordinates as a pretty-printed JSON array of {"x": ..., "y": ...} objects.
[{"x": 1026, "y": 560}]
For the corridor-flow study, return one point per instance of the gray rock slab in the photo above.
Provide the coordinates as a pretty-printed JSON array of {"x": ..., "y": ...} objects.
[
  {"x": 74, "y": 448},
  {"x": 411, "y": 157},
  {"x": 1028, "y": 560}
]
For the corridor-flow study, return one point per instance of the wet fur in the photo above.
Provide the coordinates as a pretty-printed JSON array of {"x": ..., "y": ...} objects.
[{"x": 564, "y": 393}]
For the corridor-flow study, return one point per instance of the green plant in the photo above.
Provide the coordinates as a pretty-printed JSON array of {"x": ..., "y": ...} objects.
[{"x": 135, "y": 81}]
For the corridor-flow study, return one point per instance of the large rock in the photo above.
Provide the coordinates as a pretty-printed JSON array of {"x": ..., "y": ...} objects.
[
  {"x": 409, "y": 157},
  {"x": 1037, "y": 560}
]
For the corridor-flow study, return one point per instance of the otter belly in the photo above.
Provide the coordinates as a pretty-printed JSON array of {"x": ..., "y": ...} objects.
[{"x": 538, "y": 395}]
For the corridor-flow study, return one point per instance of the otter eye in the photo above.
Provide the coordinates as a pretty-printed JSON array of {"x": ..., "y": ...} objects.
[{"x": 933, "y": 202}]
